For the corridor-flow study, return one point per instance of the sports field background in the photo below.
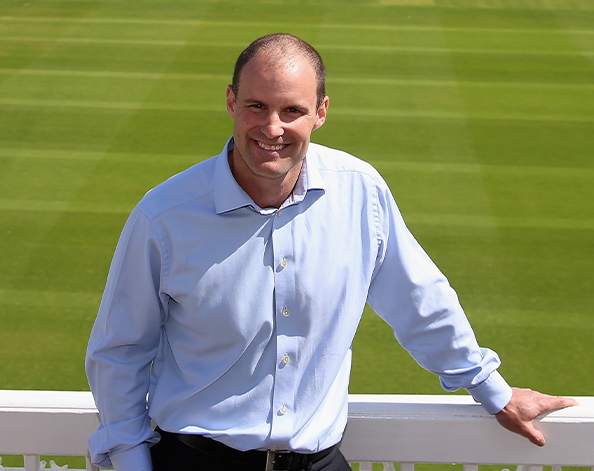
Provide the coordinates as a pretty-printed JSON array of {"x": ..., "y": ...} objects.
[{"x": 479, "y": 114}]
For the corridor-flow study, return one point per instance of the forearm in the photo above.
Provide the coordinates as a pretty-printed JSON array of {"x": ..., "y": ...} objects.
[
  {"x": 134, "y": 459},
  {"x": 123, "y": 345},
  {"x": 119, "y": 381},
  {"x": 416, "y": 299}
]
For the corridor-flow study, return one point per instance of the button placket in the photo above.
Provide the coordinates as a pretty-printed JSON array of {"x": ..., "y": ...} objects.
[{"x": 286, "y": 341}]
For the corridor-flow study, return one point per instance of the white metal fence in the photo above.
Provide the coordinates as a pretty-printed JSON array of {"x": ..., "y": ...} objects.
[{"x": 384, "y": 429}]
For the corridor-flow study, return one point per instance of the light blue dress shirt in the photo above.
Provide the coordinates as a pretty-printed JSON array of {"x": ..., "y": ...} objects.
[{"x": 238, "y": 320}]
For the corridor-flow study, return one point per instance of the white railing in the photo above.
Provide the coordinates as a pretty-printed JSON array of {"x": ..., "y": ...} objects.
[
  {"x": 382, "y": 429},
  {"x": 58, "y": 423},
  {"x": 454, "y": 429}
]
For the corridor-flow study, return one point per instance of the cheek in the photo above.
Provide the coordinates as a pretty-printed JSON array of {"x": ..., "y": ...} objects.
[
  {"x": 242, "y": 129},
  {"x": 245, "y": 119},
  {"x": 304, "y": 132}
]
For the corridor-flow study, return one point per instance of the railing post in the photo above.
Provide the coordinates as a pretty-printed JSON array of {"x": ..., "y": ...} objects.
[
  {"x": 90, "y": 466},
  {"x": 31, "y": 462},
  {"x": 529, "y": 468}
]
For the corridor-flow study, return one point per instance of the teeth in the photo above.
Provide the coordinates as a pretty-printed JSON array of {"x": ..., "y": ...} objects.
[{"x": 267, "y": 147}]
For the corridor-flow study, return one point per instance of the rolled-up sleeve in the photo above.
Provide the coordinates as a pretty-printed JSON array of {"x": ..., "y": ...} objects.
[
  {"x": 122, "y": 347},
  {"x": 410, "y": 293}
]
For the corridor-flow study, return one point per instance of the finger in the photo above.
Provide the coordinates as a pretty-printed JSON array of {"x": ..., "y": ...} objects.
[
  {"x": 567, "y": 402},
  {"x": 527, "y": 430},
  {"x": 559, "y": 402},
  {"x": 535, "y": 436}
]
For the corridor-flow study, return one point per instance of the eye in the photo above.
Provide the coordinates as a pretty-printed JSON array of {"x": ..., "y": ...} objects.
[
  {"x": 293, "y": 110},
  {"x": 257, "y": 106}
]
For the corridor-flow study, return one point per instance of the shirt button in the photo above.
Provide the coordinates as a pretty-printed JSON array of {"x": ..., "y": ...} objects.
[
  {"x": 283, "y": 263},
  {"x": 279, "y": 213},
  {"x": 286, "y": 312},
  {"x": 286, "y": 358},
  {"x": 283, "y": 410}
]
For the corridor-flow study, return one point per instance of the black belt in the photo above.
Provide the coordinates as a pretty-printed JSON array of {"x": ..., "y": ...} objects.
[{"x": 271, "y": 460}]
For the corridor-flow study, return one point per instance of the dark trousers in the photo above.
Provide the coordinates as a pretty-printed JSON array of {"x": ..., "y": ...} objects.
[{"x": 172, "y": 455}]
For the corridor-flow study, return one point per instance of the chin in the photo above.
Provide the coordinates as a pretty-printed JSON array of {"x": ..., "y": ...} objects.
[{"x": 270, "y": 173}]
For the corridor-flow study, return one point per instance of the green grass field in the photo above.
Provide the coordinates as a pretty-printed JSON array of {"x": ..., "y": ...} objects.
[{"x": 479, "y": 113}]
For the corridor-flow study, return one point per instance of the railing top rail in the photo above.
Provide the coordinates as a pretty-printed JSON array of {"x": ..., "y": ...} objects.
[
  {"x": 454, "y": 429},
  {"x": 381, "y": 428},
  {"x": 411, "y": 405},
  {"x": 382, "y": 404},
  {"x": 47, "y": 400}
]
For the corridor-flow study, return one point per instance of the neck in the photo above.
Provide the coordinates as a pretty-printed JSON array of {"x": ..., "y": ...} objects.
[{"x": 265, "y": 192}]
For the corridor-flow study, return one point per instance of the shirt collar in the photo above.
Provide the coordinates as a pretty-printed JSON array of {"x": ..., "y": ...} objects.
[{"x": 228, "y": 195}]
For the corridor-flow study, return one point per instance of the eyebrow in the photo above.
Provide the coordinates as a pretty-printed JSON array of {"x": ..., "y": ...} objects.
[{"x": 297, "y": 106}]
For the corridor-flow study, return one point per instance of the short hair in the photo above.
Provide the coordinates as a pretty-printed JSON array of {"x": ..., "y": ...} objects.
[{"x": 282, "y": 46}]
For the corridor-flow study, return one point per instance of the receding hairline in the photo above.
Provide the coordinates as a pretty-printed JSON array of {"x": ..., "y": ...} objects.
[{"x": 282, "y": 50}]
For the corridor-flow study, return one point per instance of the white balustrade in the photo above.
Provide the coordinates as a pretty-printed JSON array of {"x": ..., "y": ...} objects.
[
  {"x": 54, "y": 423},
  {"x": 387, "y": 429},
  {"x": 453, "y": 429}
]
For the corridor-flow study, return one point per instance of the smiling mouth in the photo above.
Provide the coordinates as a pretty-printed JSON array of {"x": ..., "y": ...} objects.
[{"x": 267, "y": 147}]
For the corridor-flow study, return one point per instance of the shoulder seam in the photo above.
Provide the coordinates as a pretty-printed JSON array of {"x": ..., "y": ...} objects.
[{"x": 173, "y": 205}]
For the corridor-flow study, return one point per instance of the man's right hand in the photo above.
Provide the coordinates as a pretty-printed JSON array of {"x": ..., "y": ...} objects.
[{"x": 525, "y": 406}]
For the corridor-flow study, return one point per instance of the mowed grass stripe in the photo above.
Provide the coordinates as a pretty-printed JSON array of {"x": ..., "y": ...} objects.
[
  {"x": 330, "y": 80},
  {"x": 21, "y": 153},
  {"x": 117, "y": 74},
  {"x": 115, "y": 105},
  {"x": 341, "y": 111},
  {"x": 459, "y": 220},
  {"x": 317, "y": 27},
  {"x": 447, "y": 50},
  {"x": 45, "y": 299},
  {"x": 525, "y": 317},
  {"x": 529, "y": 171},
  {"x": 320, "y": 47},
  {"x": 456, "y": 83},
  {"x": 64, "y": 206},
  {"x": 440, "y": 115},
  {"x": 482, "y": 221},
  {"x": 132, "y": 42}
]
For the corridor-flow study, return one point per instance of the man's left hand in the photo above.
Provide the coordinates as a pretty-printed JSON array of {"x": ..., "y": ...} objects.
[{"x": 524, "y": 406}]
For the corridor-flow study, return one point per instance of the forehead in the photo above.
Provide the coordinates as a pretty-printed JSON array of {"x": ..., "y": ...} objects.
[{"x": 292, "y": 78}]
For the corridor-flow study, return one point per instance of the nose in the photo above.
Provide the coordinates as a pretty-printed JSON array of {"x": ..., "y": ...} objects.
[{"x": 272, "y": 127}]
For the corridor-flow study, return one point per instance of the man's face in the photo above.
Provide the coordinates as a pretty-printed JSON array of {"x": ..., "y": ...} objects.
[{"x": 275, "y": 112}]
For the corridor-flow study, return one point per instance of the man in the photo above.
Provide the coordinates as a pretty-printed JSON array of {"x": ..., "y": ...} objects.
[{"x": 237, "y": 287}]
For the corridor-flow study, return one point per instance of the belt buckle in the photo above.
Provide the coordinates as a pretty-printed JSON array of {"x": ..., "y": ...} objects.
[{"x": 271, "y": 459}]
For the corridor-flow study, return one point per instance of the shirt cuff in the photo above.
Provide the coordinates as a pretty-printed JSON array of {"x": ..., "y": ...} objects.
[
  {"x": 494, "y": 393},
  {"x": 133, "y": 459}
]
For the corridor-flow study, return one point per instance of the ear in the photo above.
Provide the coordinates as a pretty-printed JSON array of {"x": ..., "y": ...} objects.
[
  {"x": 322, "y": 112},
  {"x": 231, "y": 101}
]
